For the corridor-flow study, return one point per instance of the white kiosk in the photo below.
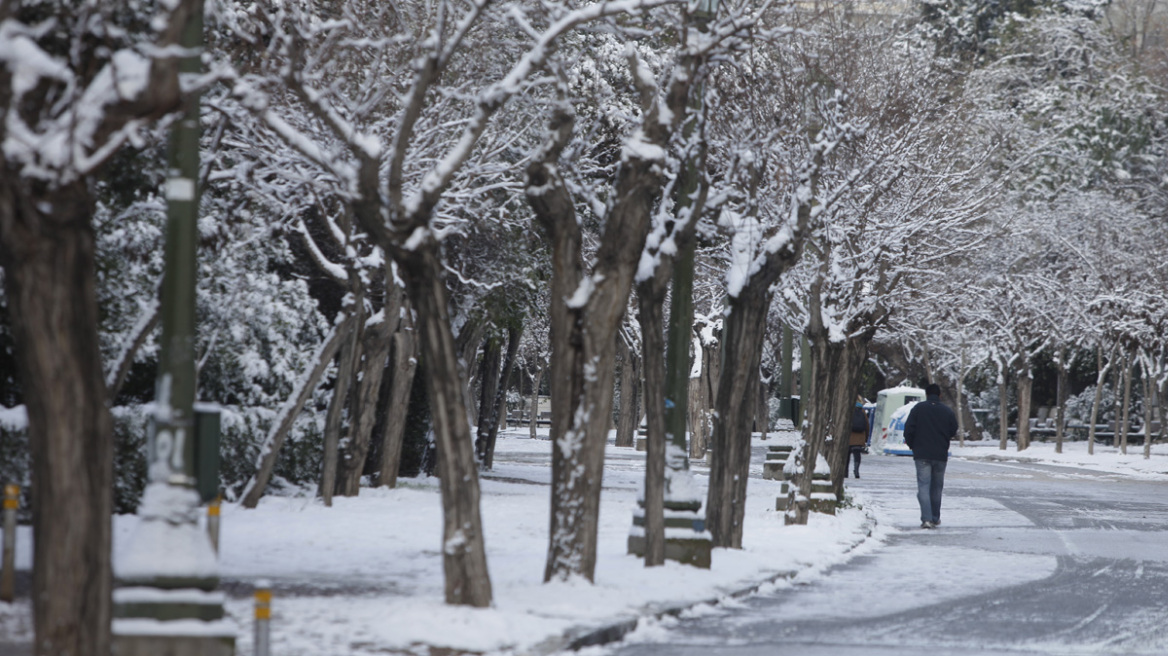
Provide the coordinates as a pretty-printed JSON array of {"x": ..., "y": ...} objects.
[{"x": 888, "y": 424}]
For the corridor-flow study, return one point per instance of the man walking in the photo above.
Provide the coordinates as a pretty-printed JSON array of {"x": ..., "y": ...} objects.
[{"x": 927, "y": 431}]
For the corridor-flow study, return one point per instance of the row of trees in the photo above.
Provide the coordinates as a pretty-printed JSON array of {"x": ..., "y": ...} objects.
[{"x": 403, "y": 203}]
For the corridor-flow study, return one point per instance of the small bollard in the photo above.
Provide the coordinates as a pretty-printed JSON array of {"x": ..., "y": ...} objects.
[
  {"x": 8, "y": 567},
  {"x": 263, "y": 616},
  {"x": 213, "y": 522}
]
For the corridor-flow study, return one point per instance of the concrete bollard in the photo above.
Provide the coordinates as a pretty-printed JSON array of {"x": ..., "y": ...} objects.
[
  {"x": 213, "y": 522},
  {"x": 8, "y": 567},
  {"x": 263, "y": 616}
]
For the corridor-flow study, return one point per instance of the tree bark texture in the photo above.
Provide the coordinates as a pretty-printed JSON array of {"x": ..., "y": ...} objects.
[
  {"x": 499, "y": 412},
  {"x": 650, "y": 296},
  {"x": 583, "y": 335},
  {"x": 843, "y": 372},
  {"x": 47, "y": 251},
  {"x": 1003, "y": 408},
  {"x": 375, "y": 346},
  {"x": 488, "y": 385},
  {"x": 1063, "y": 392},
  {"x": 334, "y": 419},
  {"x": 1025, "y": 385},
  {"x": 464, "y": 557},
  {"x": 405, "y": 366},
  {"x": 1124, "y": 425},
  {"x": 630, "y": 411},
  {"x": 734, "y": 412},
  {"x": 533, "y": 419}
]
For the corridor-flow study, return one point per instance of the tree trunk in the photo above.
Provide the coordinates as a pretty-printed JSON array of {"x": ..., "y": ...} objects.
[
  {"x": 1064, "y": 391},
  {"x": 47, "y": 252},
  {"x": 1145, "y": 360},
  {"x": 844, "y": 375},
  {"x": 470, "y": 338},
  {"x": 283, "y": 422},
  {"x": 536, "y": 379},
  {"x": 464, "y": 557},
  {"x": 626, "y": 428},
  {"x": 1123, "y": 426},
  {"x": 375, "y": 346},
  {"x": 334, "y": 419},
  {"x": 650, "y": 298},
  {"x": 734, "y": 412},
  {"x": 762, "y": 414},
  {"x": 583, "y": 332},
  {"x": 1103, "y": 370},
  {"x": 488, "y": 385},
  {"x": 514, "y": 334},
  {"x": 405, "y": 365},
  {"x": 1003, "y": 407},
  {"x": 697, "y": 414},
  {"x": 1025, "y": 387}
]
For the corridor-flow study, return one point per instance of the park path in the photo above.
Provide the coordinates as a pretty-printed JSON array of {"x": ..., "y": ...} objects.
[{"x": 1029, "y": 559}]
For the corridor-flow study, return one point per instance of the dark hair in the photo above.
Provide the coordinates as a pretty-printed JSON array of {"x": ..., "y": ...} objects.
[{"x": 933, "y": 390}]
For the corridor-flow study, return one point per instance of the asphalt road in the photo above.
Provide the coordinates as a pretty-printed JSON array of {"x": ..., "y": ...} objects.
[{"x": 1029, "y": 559}]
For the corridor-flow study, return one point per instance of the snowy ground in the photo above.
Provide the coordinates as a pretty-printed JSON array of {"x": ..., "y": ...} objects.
[{"x": 364, "y": 576}]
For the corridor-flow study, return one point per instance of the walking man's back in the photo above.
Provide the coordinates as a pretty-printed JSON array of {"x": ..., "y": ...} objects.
[{"x": 927, "y": 431}]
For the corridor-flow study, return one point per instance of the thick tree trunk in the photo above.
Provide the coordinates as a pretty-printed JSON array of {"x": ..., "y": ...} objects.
[
  {"x": 333, "y": 424},
  {"x": 1025, "y": 387},
  {"x": 630, "y": 411},
  {"x": 734, "y": 413},
  {"x": 464, "y": 557},
  {"x": 499, "y": 411},
  {"x": 650, "y": 296},
  {"x": 405, "y": 365},
  {"x": 467, "y": 344},
  {"x": 47, "y": 252},
  {"x": 488, "y": 385},
  {"x": 843, "y": 379},
  {"x": 375, "y": 346},
  {"x": 282, "y": 425},
  {"x": 583, "y": 329}
]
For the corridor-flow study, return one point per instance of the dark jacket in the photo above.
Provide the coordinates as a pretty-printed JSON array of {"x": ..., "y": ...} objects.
[
  {"x": 928, "y": 429},
  {"x": 859, "y": 437}
]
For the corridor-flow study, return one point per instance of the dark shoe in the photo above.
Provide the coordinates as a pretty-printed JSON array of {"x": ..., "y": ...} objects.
[
  {"x": 935, "y": 523},
  {"x": 857, "y": 473},
  {"x": 929, "y": 525}
]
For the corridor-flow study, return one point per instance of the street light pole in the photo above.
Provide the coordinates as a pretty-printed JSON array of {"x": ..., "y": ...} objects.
[{"x": 168, "y": 573}]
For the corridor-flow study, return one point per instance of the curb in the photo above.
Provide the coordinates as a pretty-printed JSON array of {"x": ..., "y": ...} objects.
[{"x": 581, "y": 637}]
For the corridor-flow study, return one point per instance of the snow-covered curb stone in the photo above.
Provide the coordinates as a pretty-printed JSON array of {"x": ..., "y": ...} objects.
[{"x": 589, "y": 636}]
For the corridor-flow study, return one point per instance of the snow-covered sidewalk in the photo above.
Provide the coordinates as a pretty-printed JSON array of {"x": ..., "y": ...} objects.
[
  {"x": 365, "y": 576},
  {"x": 1105, "y": 459}
]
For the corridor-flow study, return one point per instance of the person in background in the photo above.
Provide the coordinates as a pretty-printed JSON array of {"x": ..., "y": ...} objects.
[
  {"x": 927, "y": 431},
  {"x": 859, "y": 439}
]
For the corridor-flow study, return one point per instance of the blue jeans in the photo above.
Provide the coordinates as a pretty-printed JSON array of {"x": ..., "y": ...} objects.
[{"x": 930, "y": 480}]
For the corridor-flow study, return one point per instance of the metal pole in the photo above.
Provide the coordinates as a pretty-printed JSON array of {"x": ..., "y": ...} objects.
[
  {"x": 8, "y": 568},
  {"x": 213, "y": 522},
  {"x": 263, "y": 617}
]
